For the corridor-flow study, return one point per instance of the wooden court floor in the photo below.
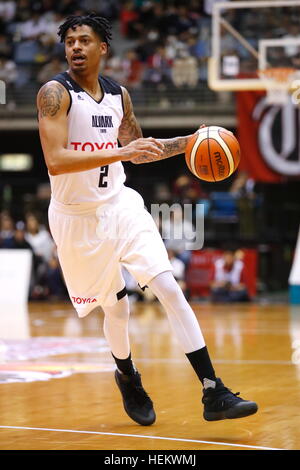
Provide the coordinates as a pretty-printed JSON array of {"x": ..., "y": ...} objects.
[{"x": 57, "y": 389}]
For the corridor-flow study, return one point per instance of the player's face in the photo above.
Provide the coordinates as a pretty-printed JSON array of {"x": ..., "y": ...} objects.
[{"x": 84, "y": 49}]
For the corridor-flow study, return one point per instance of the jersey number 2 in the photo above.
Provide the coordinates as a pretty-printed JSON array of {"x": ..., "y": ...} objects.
[{"x": 103, "y": 176}]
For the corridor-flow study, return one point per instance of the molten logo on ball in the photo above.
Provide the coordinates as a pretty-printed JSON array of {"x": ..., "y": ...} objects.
[
  {"x": 221, "y": 167},
  {"x": 212, "y": 154}
]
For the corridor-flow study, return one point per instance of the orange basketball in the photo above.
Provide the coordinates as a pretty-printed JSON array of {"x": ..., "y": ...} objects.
[{"x": 212, "y": 154}]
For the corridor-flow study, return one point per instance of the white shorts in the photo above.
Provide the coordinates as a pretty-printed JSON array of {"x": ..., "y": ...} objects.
[{"x": 94, "y": 240}]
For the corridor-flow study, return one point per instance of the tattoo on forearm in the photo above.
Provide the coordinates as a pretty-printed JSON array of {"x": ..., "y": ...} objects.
[
  {"x": 130, "y": 130},
  {"x": 50, "y": 100},
  {"x": 173, "y": 147}
]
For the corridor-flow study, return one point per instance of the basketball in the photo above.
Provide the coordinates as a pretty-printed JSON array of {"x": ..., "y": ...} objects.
[{"x": 212, "y": 154}]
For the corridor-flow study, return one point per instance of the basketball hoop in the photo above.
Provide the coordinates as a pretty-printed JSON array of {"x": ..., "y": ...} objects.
[{"x": 277, "y": 82}]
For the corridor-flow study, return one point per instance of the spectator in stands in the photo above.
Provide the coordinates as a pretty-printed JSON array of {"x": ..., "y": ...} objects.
[
  {"x": 53, "y": 21},
  {"x": 243, "y": 184},
  {"x": 243, "y": 190},
  {"x": 33, "y": 28},
  {"x": 292, "y": 50},
  {"x": 146, "y": 45},
  {"x": 129, "y": 20},
  {"x": 42, "y": 245},
  {"x": 23, "y": 12},
  {"x": 68, "y": 7},
  {"x": 53, "y": 281},
  {"x": 132, "y": 69},
  {"x": 28, "y": 46},
  {"x": 199, "y": 47},
  {"x": 5, "y": 47},
  {"x": 7, "y": 10},
  {"x": 38, "y": 237},
  {"x": 6, "y": 230},
  {"x": 156, "y": 17},
  {"x": 185, "y": 72},
  {"x": 126, "y": 70},
  {"x": 19, "y": 241},
  {"x": 172, "y": 46},
  {"x": 159, "y": 68},
  {"x": 228, "y": 279},
  {"x": 188, "y": 190},
  {"x": 109, "y": 8},
  {"x": 50, "y": 69},
  {"x": 114, "y": 67},
  {"x": 185, "y": 21}
]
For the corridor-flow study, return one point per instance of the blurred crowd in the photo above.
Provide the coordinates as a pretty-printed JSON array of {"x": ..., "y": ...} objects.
[
  {"x": 178, "y": 226},
  {"x": 46, "y": 277},
  {"x": 160, "y": 44}
]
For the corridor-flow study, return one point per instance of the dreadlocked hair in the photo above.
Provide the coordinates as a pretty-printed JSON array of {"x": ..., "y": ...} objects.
[{"x": 98, "y": 24}]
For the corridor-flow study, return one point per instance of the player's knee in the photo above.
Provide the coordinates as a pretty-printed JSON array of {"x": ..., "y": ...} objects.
[
  {"x": 165, "y": 286},
  {"x": 118, "y": 312}
]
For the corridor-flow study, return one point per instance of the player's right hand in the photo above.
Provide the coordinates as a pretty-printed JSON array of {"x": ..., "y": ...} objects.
[{"x": 148, "y": 147}]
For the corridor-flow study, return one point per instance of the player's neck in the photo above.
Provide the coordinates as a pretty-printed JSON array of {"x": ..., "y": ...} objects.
[{"x": 88, "y": 82}]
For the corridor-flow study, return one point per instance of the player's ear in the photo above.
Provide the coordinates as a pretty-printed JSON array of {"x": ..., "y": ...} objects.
[{"x": 103, "y": 48}]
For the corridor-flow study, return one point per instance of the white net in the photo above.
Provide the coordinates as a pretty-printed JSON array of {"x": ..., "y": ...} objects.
[{"x": 278, "y": 83}]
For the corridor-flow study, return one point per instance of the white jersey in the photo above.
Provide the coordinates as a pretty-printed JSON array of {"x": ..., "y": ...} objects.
[{"x": 92, "y": 125}]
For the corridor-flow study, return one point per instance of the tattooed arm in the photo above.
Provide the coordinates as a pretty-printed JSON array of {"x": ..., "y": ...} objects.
[
  {"x": 130, "y": 130},
  {"x": 53, "y": 102}
]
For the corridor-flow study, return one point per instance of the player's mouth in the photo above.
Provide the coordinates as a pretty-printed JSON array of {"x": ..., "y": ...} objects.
[{"x": 78, "y": 59}]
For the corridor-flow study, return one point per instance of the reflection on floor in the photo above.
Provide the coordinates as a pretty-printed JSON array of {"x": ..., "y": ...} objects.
[{"x": 57, "y": 389}]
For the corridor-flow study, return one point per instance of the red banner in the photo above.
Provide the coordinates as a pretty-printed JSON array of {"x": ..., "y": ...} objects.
[{"x": 269, "y": 138}]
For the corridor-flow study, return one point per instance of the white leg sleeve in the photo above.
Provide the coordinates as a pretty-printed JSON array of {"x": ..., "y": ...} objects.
[
  {"x": 180, "y": 314},
  {"x": 115, "y": 328}
]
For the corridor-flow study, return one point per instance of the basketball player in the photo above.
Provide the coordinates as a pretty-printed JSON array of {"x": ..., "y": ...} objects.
[{"x": 82, "y": 116}]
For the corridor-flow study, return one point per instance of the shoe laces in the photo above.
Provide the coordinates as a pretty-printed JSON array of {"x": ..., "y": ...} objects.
[
  {"x": 221, "y": 394},
  {"x": 141, "y": 396},
  {"x": 137, "y": 393}
]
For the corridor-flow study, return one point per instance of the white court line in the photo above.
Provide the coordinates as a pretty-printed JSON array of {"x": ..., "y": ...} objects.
[{"x": 140, "y": 436}]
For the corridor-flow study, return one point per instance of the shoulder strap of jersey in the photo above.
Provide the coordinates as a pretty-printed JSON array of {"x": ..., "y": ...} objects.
[
  {"x": 65, "y": 79},
  {"x": 110, "y": 86},
  {"x": 69, "y": 84}
]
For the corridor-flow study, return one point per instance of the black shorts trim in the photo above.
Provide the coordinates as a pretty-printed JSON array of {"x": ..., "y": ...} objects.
[{"x": 121, "y": 293}]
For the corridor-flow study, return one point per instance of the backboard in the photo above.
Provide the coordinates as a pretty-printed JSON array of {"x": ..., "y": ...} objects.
[{"x": 255, "y": 46}]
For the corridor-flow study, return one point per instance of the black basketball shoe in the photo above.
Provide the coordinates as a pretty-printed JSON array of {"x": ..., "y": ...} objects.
[
  {"x": 137, "y": 403},
  {"x": 220, "y": 403}
]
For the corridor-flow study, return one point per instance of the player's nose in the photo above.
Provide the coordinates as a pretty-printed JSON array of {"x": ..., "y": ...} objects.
[{"x": 76, "y": 46}]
